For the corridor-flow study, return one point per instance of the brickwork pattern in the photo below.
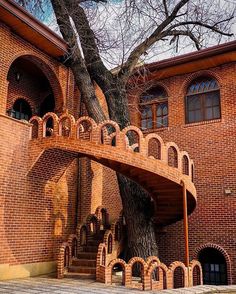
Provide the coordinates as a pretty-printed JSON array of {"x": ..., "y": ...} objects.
[{"x": 211, "y": 145}]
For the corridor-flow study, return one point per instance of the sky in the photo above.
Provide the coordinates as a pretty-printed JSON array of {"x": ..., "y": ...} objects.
[{"x": 105, "y": 21}]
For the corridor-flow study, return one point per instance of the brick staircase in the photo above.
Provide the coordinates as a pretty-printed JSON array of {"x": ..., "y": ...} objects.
[{"x": 83, "y": 266}]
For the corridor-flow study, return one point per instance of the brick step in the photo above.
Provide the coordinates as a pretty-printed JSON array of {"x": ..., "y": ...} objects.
[
  {"x": 82, "y": 269},
  {"x": 84, "y": 262},
  {"x": 90, "y": 249},
  {"x": 80, "y": 276},
  {"x": 87, "y": 255}
]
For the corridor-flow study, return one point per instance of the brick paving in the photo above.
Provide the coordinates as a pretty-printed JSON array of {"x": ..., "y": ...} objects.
[{"x": 49, "y": 284}]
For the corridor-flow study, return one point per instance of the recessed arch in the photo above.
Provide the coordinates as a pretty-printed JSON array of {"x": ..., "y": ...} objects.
[
  {"x": 223, "y": 252},
  {"x": 27, "y": 63}
]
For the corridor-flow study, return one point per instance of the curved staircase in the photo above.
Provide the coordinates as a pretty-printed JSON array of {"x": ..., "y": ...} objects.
[
  {"x": 68, "y": 138},
  {"x": 59, "y": 140}
]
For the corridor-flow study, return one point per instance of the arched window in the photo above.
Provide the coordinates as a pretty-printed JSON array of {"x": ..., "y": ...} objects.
[
  {"x": 203, "y": 100},
  {"x": 20, "y": 110},
  {"x": 154, "y": 108}
]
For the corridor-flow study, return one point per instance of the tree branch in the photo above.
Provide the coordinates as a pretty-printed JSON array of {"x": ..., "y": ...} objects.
[
  {"x": 94, "y": 63},
  {"x": 146, "y": 44},
  {"x": 77, "y": 63}
]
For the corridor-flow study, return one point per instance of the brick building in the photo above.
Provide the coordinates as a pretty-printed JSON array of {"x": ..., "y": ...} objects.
[{"x": 188, "y": 99}]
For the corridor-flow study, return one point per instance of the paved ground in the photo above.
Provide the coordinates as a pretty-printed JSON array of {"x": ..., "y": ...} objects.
[{"x": 46, "y": 284}]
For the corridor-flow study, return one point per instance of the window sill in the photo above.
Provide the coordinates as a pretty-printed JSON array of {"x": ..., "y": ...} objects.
[{"x": 205, "y": 122}]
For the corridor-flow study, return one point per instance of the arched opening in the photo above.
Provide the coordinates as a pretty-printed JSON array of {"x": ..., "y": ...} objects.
[
  {"x": 185, "y": 165},
  {"x": 84, "y": 130},
  {"x": 108, "y": 133},
  {"x": 118, "y": 274},
  {"x": 27, "y": 78},
  {"x": 178, "y": 277},
  {"x": 158, "y": 279},
  {"x": 110, "y": 239},
  {"x": 48, "y": 127},
  {"x": 172, "y": 157},
  {"x": 154, "y": 148},
  {"x": 133, "y": 140},
  {"x": 21, "y": 110},
  {"x": 137, "y": 274},
  {"x": 65, "y": 127},
  {"x": 214, "y": 266},
  {"x": 196, "y": 275}
]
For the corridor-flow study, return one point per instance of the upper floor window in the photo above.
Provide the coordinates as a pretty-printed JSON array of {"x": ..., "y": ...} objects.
[
  {"x": 203, "y": 100},
  {"x": 21, "y": 110},
  {"x": 154, "y": 108}
]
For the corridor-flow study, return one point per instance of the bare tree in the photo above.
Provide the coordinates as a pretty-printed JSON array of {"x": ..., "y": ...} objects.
[{"x": 133, "y": 30}]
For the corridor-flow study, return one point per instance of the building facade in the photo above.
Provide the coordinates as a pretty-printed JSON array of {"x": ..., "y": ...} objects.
[{"x": 189, "y": 100}]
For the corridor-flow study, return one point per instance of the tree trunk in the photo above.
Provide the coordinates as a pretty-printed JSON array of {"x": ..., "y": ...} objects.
[
  {"x": 138, "y": 207},
  {"x": 137, "y": 204}
]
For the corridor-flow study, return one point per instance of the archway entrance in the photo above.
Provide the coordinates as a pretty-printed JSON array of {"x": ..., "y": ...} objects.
[
  {"x": 214, "y": 267},
  {"x": 31, "y": 81}
]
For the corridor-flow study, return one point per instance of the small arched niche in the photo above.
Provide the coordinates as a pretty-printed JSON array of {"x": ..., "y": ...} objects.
[
  {"x": 108, "y": 135},
  {"x": 172, "y": 157},
  {"x": 154, "y": 148},
  {"x": 84, "y": 130},
  {"x": 178, "y": 277},
  {"x": 185, "y": 165},
  {"x": 133, "y": 140},
  {"x": 118, "y": 274}
]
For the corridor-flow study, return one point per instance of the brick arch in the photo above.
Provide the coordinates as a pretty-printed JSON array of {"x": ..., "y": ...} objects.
[
  {"x": 133, "y": 260},
  {"x": 92, "y": 124},
  {"x": 117, "y": 261},
  {"x": 192, "y": 77},
  {"x": 26, "y": 99},
  {"x": 223, "y": 252},
  {"x": 193, "y": 264},
  {"x": 55, "y": 122},
  {"x": 172, "y": 145},
  {"x": 71, "y": 120},
  {"x": 49, "y": 73},
  {"x": 39, "y": 126},
  {"x": 152, "y": 259},
  {"x": 182, "y": 155},
  {"x": 155, "y": 84}
]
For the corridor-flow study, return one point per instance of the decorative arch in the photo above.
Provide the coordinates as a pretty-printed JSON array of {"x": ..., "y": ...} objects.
[
  {"x": 202, "y": 99},
  {"x": 49, "y": 73},
  {"x": 195, "y": 75},
  {"x": 66, "y": 125},
  {"x": 223, "y": 252}
]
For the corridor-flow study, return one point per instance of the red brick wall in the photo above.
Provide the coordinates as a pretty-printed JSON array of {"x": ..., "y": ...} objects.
[
  {"x": 212, "y": 147},
  {"x": 30, "y": 207}
]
